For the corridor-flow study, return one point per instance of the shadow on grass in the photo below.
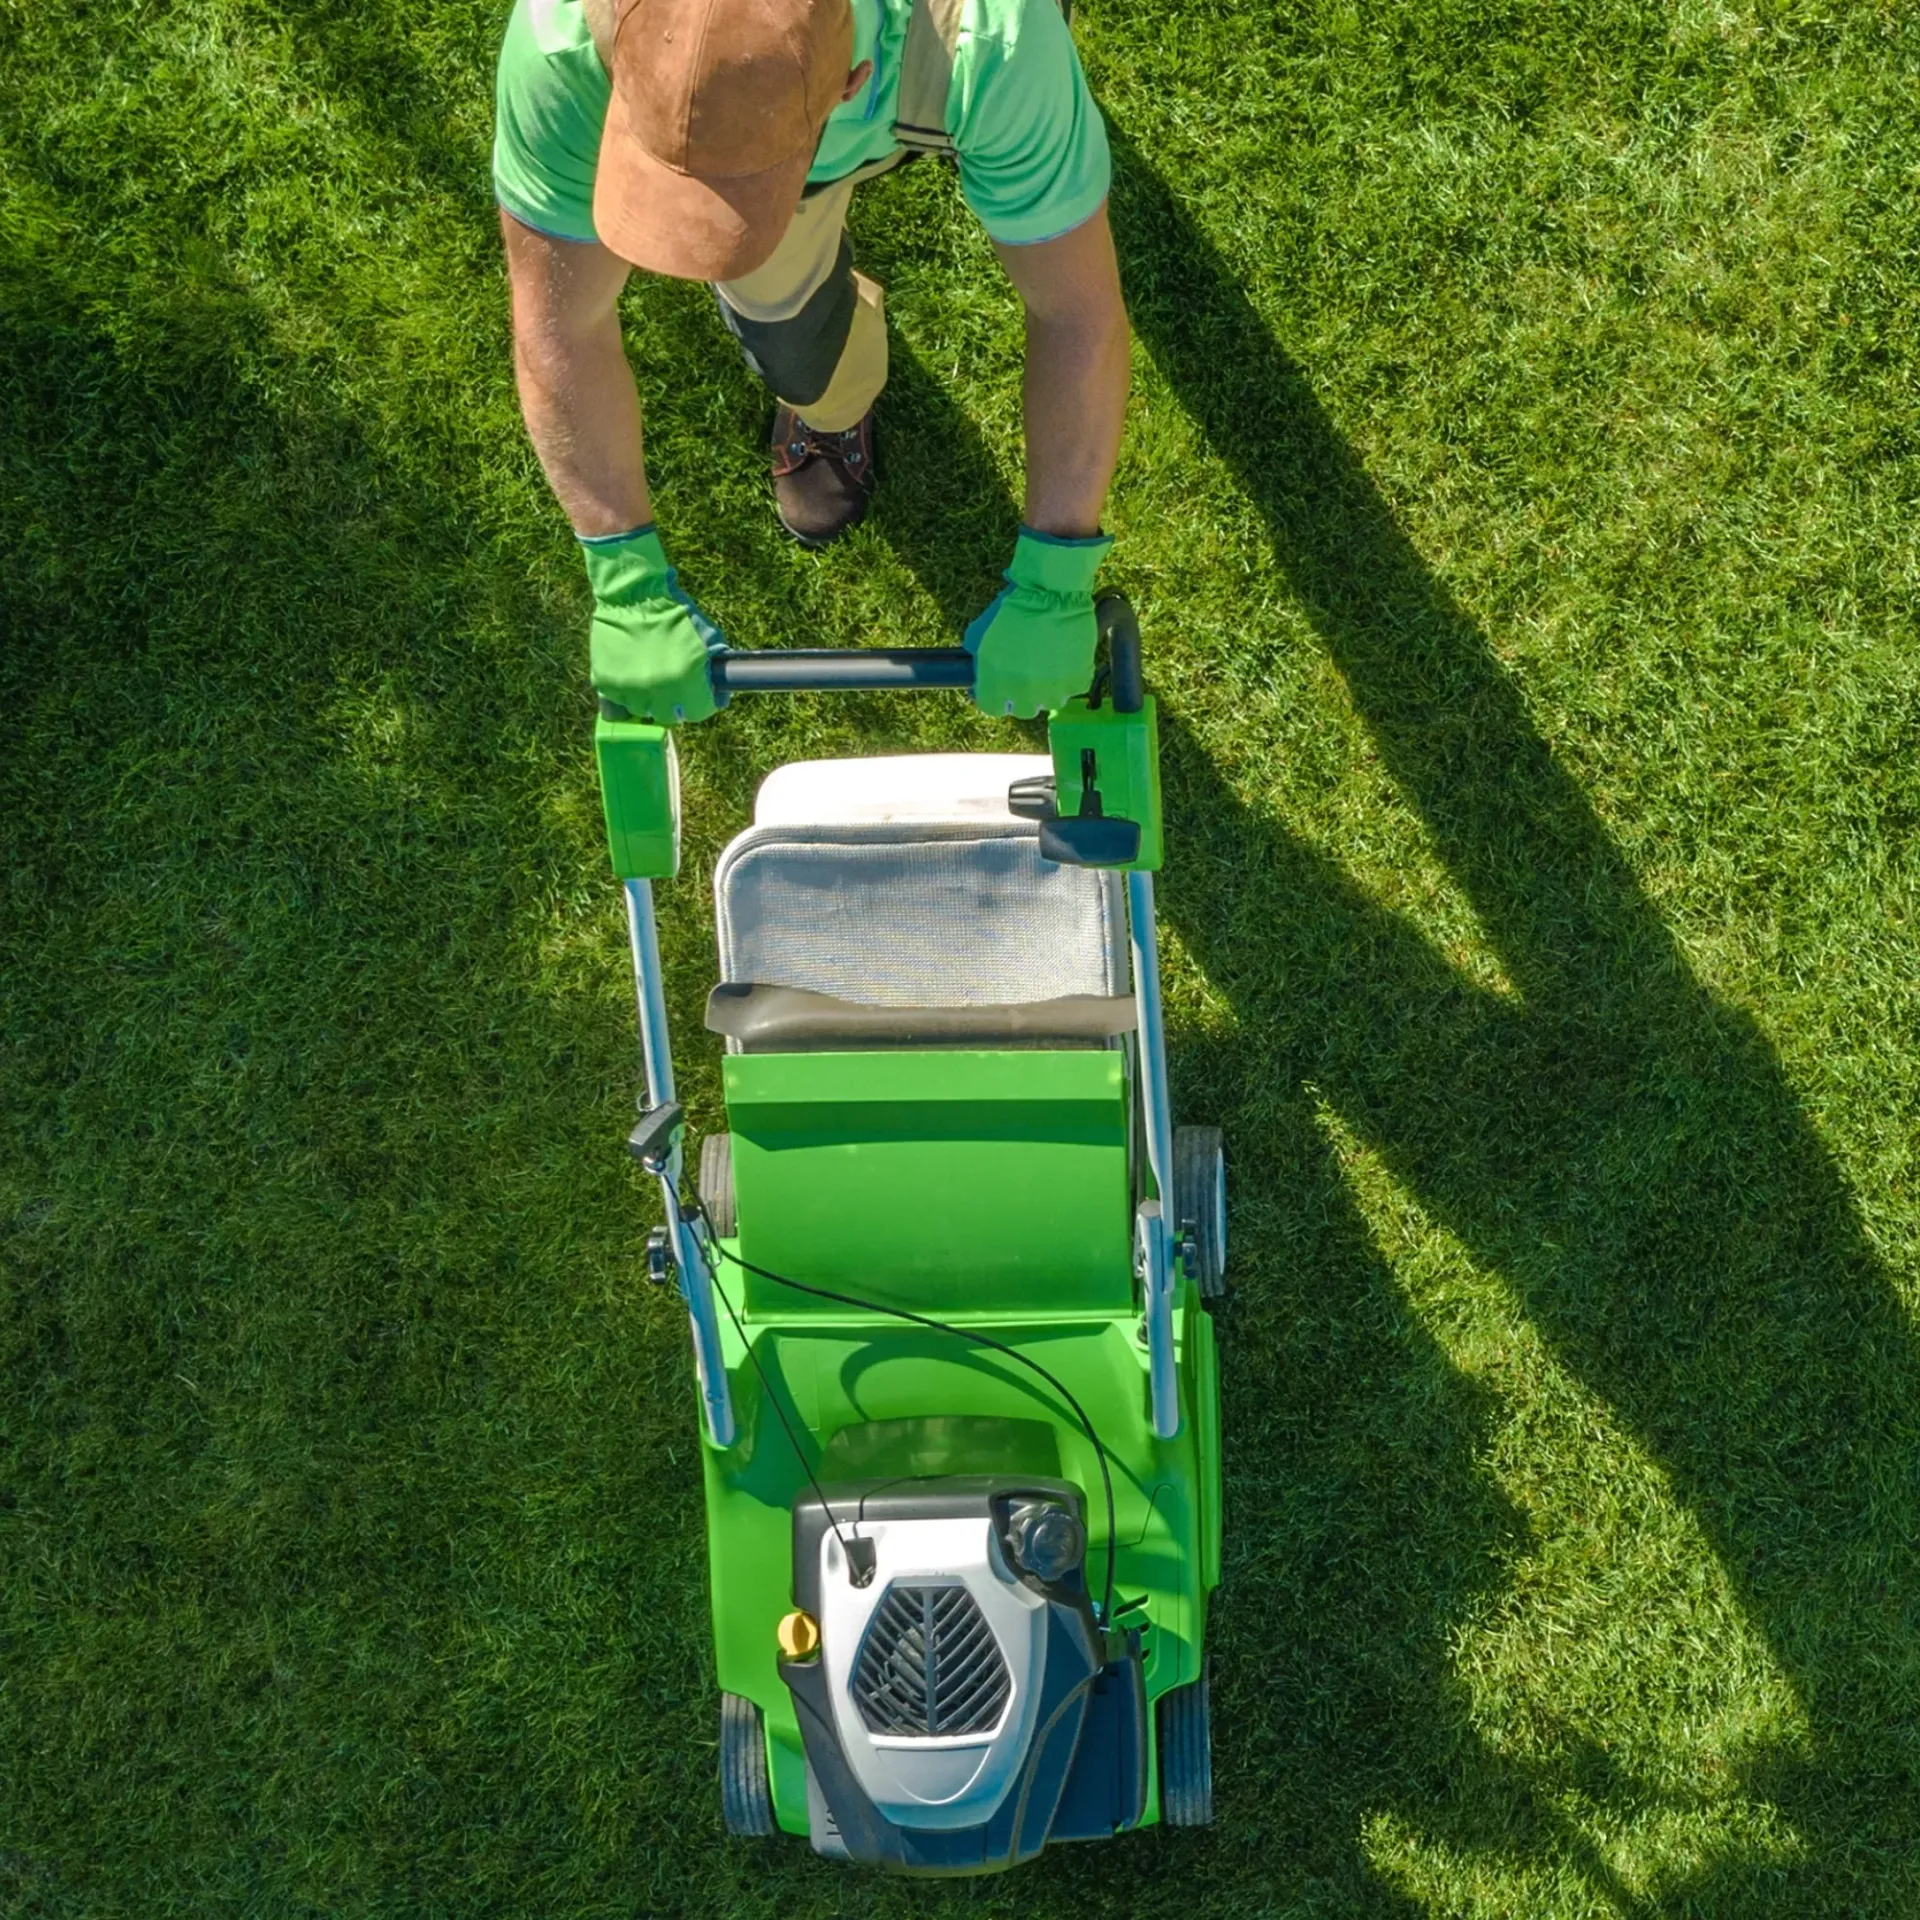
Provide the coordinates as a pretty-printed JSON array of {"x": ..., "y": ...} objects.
[
  {"x": 323, "y": 1372},
  {"x": 942, "y": 505},
  {"x": 1623, "y": 1147},
  {"x": 309, "y": 1363}
]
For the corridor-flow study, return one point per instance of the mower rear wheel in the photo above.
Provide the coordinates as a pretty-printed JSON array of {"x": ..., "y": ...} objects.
[
  {"x": 716, "y": 1183},
  {"x": 1200, "y": 1202},
  {"x": 1186, "y": 1755},
  {"x": 746, "y": 1799}
]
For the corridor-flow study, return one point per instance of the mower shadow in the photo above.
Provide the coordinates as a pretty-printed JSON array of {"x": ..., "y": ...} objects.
[{"x": 1621, "y": 1146}]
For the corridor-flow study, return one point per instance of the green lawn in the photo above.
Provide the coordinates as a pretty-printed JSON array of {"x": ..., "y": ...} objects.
[{"x": 1521, "y": 504}]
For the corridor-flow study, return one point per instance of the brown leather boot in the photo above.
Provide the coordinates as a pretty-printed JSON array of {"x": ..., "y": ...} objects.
[{"x": 821, "y": 481}]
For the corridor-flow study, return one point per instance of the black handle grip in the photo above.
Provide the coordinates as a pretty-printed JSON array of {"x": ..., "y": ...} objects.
[
  {"x": 1120, "y": 629},
  {"x": 888, "y": 669},
  {"x": 841, "y": 669}
]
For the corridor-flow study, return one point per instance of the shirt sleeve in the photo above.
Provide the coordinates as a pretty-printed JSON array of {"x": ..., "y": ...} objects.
[
  {"x": 1033, "y": 148},
  {"x": 550, "y": 102}
]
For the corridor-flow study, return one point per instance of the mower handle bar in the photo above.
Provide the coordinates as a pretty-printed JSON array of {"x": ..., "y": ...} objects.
[
  {"x": 885, "y": 669},
  {"x": 839, "y": 669}
]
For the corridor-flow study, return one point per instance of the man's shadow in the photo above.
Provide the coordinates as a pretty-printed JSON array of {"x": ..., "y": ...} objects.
[{"x": 1618, "y": 1144}]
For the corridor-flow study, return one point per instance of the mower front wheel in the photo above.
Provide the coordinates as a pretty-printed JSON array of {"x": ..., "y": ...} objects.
[
  {"x": 1186, "y": 1755},
  {"x": 716, "y": 1183},
  {"x": 746, "y": 1798}
]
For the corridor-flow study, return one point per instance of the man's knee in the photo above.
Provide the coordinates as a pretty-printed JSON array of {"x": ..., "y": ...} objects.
[{"x": 797, "y": 356}]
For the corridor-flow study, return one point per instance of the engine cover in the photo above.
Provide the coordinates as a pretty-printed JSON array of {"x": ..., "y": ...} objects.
[{"x": 959, "y": 1675}]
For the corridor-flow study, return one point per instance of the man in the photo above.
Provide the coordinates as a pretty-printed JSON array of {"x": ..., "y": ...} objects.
[{"x": 721, "y": 140}]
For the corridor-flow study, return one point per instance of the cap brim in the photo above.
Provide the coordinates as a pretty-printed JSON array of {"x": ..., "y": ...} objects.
[{"x": 694, "y": 229}]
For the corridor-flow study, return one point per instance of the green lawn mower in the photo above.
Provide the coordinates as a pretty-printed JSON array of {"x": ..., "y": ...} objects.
[{"x": 947, "y": 1274}]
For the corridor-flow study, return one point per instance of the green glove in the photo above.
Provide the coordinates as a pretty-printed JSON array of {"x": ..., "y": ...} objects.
[
  {"x": 650, "y": 642},
  {"x": 1033, "y": 647}
]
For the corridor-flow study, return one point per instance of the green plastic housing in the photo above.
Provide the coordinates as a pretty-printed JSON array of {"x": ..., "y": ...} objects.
[
  {"x": 994, "y": 1191},
  {"x": 1126, "y": 749},
  {"x": 846, "y": 1168},
  {"x": 640, "y": 796}
]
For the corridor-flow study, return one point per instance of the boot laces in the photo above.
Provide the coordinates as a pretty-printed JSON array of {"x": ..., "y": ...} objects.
[{"x": 803, "y": 442}]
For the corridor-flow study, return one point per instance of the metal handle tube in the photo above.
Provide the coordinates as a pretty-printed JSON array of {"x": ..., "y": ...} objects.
[
  {"x": 1157, "y": 1221},
  {"x": 656, "y": 1051},
  {"x": 841, "y": 669}
]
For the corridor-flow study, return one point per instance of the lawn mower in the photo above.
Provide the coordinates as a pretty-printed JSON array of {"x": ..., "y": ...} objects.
[{"x": 947, "y": 1274}]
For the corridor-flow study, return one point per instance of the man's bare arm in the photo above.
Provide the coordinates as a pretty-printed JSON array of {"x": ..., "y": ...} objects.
[
  {"x": 1078, "y": 368},
  {"x": 576, "y": 389}
]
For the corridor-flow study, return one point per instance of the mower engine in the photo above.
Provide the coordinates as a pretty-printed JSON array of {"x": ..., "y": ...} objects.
[{"x": 960, "y": 1706}]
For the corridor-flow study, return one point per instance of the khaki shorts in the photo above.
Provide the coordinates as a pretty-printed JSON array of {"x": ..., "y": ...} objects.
[{"x": 810, "y": 326}]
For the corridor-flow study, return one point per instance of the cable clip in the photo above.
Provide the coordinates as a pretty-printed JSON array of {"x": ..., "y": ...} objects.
[{"x": 863, "y": 1556}]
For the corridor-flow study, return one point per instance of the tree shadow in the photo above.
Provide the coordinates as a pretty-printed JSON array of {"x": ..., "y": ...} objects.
[{"x": 1621, "y": 1145}]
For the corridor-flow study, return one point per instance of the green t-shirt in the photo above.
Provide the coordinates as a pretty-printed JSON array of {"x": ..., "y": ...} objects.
[{"x": 1032, "y": 146}]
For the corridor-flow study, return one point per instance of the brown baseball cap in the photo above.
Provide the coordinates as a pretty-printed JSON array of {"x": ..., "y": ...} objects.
[{"x": 717, "y": 108}]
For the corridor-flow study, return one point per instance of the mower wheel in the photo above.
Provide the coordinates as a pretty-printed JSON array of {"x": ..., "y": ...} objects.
[
  {"x": 1200, "y": 1201},
  {"x": 746, "y": 1800},
  {"x": 1186, "y": 1755},
  {"x": 716, "y": 1183}
]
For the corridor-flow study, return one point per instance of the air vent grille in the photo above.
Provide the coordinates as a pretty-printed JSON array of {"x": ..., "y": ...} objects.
[{"x": 929, "y": 1667}]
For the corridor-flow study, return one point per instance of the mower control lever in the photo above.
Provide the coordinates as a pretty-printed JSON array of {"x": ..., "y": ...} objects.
[
  {"x": 656, "y": 1135},
  {"x": 1119, "y": 627},
  {"x": 1089, "y": 838}
]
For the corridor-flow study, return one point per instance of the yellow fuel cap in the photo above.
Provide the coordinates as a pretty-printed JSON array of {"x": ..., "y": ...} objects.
[{"x": 798, "y": 1634}]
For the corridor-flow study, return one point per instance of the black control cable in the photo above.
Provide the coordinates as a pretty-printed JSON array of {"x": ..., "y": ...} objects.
[
  {"x": 859, "y": 1566},
  {"x": 936, "y": 1326}
]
